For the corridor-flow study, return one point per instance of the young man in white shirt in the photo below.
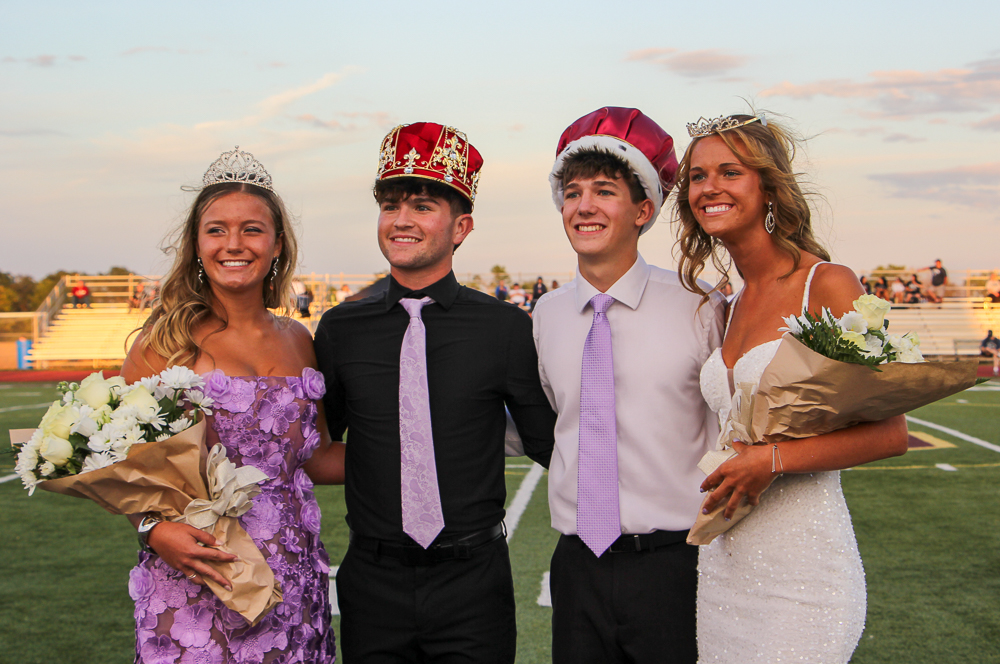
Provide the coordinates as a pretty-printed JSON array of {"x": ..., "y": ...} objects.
[{"x": 632, "y": 424}]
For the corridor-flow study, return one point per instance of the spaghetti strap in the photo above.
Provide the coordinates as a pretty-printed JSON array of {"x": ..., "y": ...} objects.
[
  {"x": 805, "y": 291},
  {"x": 729, "y": 318}
]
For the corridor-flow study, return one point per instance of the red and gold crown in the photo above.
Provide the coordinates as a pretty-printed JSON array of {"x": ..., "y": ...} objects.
[{"x": 432, "y": 151}]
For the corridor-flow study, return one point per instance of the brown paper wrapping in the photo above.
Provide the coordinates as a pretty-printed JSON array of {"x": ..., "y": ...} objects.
[
  {"x": 802, "y": 393},
  {"x": 164, "y": 477}
]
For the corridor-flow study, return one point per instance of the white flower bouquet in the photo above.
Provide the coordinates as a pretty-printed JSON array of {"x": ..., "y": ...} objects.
[
  {"x": 142, "y": 448},
  {"x": 828, "y": 374},
  {"x": 97, "y": 422}
]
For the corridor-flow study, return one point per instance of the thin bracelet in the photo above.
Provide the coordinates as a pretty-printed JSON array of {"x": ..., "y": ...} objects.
[{"x": 776, "y": 460}]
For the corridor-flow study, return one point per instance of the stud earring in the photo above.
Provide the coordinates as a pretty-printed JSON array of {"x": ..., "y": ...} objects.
[
  {"x": 769, "y": 219},
  {"x": 201, "y": 271}
]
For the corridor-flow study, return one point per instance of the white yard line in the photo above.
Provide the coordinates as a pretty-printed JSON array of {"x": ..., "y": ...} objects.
[
  {"x": 956, "y": 434},
  {"x": 545, "y": 596},
  {"x": 522, "y": 498},
  {"x": 7, "y": 478},
  {"x": 11, "y": 409}
]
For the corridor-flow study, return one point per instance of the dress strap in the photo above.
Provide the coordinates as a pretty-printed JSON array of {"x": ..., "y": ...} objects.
[
  {"x": 729, "y": 317},
  {"x": 809, "y": 279}
]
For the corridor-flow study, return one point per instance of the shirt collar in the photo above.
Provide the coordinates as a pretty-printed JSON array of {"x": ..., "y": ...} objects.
[
  {"x": 627, "y": 290},
  {"x": 444, "y": 292}
]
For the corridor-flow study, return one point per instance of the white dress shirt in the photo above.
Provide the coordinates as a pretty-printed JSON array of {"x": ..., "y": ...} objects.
[{"x": 660, "y": 338}]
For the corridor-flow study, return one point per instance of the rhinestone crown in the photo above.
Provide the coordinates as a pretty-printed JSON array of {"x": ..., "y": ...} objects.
[
  {"x": 704, "y": 127},
  {"x": 236, "y": 166}
]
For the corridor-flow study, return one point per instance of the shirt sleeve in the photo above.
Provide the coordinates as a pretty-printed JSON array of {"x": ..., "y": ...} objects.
[
  {"x": 529, "y": 407},
  {"x": 335, "y": 400}
]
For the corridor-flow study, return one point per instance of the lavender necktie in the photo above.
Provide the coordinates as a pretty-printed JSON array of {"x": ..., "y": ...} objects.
[
  {"x": 421, "y": 501},
  {"x": 597, "y": 520}
]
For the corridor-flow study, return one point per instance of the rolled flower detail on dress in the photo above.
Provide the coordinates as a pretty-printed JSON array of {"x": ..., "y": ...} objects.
[
  {"x": 144, "y": 450},
  {"x": 826, "y": 376}
]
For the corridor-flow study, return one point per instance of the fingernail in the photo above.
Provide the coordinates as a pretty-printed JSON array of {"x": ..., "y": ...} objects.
[
  {"x": 705, "y": 511},
  {"x": 727, "y": 518}
]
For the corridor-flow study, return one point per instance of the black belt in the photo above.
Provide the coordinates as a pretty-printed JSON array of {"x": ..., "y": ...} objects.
[
  {"x": 444, "y": 548},
  {"x": 647, "y": 541}
]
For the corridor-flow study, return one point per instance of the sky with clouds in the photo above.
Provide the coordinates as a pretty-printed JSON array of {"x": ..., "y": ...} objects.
[{"x": 108, "y": 108}]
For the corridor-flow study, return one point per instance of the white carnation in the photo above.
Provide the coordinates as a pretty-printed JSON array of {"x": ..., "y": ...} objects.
[
  {"x": 162, "y": 437},
  {"x": 95, "y": 461},
  {"x": 47, "y": 468},
  {"x": 179, "y": 425},
  {"x": 99, "y": 442}
]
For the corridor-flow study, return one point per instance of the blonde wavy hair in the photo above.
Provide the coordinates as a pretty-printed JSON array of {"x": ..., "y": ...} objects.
[
  {"x": 769, "y": 150},
  {"x": 184, "y": 300}
]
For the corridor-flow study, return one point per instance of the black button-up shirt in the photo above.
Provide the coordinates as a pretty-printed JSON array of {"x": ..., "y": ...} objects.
[{"x": 480, "y": 356}]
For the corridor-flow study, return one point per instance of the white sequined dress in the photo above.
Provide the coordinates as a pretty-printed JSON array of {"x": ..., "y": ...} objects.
[{"x": 786, "y": 584}]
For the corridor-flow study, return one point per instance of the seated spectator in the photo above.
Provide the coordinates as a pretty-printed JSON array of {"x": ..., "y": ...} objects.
[
  {"x": 993, "y": 288},
  {"x": 81, "y": 295},
  {"x": 914, "y": 291},
  {"x": 501, "y": 291},
  {"x": 303, "y": 302},
  {"x": 137, "y": 299},
  {"x": 344, "y": 293},
  {"x": 898, "y": 290},
  {"x": 990, "y": 347},
  {"x": 555, "y": 285},
  {"x": 882, "y": 288},
  {"x": 864, "y": 283},
  {"x": 517, "y": 295}
]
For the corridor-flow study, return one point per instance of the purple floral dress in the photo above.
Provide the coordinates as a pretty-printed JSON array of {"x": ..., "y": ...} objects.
[{"x": 268, "y": 422}]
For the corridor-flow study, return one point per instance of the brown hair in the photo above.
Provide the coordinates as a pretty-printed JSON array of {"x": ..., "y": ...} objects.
[
  {"x": 769, "y": 150},
  {"x": 588, "y": 163},
  {"x": 184, "y": 297},
  {"x": 399, "y": 189}
]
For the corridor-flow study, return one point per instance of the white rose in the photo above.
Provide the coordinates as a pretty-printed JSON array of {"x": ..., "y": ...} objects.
[
  {"x": 94, "y": 390},
  {"x": 58, "y": 420},
  {"x": 117, "y": 382},
  {"x": 140, "y": 398},
  {"x": 56, "y": 450},
  {"x": 898, "y": 343},
  {"x": 855, "y": 338},
  {"x": 853, "y": 322},
  {"x": 873, "y": 309}
]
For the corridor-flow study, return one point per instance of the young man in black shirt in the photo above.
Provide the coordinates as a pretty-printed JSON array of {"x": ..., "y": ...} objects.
[{"x": 427, "y": 574}]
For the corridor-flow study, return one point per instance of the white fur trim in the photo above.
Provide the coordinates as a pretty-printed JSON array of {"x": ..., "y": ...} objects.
[{"x": 641, "y": 166}]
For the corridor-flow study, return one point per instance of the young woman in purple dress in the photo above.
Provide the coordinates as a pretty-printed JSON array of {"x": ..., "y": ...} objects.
[{"x": 234, "y": 260}]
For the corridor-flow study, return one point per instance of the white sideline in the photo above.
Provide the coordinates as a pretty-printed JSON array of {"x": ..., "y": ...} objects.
[
  {"x": 11, "y": 409},
  {"x": 522, "y": 498},
  {"x": 8, "y": 478},
  {"x": 517, "y": 507},
  {"x": 953, "y": 432}
]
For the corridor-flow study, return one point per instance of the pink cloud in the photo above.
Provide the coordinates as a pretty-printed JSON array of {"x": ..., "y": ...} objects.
[
  {"x": 42, "y": 60},
  {"x": 976, "y": 186},
  {"x": 907, "y": 93},
  {"x": 693, "y": 64},
  {"x": 991, "y": 123},
  {"x": 146, "y": 49},
  {"x": 356, "y": 120}
]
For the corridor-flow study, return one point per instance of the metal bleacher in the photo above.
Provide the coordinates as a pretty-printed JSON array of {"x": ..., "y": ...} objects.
[{"x": 954, "y": 327}]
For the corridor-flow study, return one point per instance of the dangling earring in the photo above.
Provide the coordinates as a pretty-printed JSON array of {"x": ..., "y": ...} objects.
[
  {"x": 274, "y": 273},
  {"x": 769, "y": 219},
  {"x": 201, "y": 271}
]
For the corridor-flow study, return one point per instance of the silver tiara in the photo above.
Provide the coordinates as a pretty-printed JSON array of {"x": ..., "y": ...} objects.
[
  {"x": 722, "y": 123},
  {"x": 236, "y": 166}
]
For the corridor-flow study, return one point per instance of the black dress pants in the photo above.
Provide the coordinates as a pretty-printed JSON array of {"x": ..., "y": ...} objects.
[
  {"x": 451, "y": 612},
  {"x": 630, "y": 607}
]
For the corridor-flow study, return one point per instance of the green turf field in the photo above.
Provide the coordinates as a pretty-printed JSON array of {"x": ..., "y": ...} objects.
[{"x": 929, "y": 537}]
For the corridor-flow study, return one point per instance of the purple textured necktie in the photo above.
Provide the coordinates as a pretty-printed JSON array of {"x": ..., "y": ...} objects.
[
  {"x": 597, "y": 519},
  {"x": 421, "y": 501}
]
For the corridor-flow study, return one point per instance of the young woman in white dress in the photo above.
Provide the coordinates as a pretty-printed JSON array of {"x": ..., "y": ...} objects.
[{"x": 786, "y": 583}]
